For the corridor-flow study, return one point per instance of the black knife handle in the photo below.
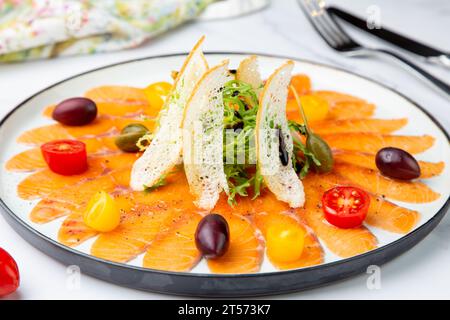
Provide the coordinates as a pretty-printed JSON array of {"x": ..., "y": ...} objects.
[
  {"x": 437, "y": 82},
  {"x": 388, "y": 35}
]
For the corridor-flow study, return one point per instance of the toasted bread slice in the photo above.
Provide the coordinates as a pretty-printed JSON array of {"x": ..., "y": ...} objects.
[
  {"x": 165, "y": 149},
  {"x": 203, "y": 138},
  {"x": 248, "y": 72},
  {"x": 280, "y": 179}
]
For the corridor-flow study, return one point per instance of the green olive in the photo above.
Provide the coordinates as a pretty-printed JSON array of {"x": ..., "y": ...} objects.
[
  {"x": 129, "y": 136},
  {"x": 321, "y": 151}
]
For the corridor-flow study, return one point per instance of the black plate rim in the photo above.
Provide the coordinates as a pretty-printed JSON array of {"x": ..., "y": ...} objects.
[{"x": 437, "y": 216}]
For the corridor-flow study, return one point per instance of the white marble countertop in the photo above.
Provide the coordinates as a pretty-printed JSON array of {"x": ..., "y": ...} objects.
[{"x": 282, "y": 29}]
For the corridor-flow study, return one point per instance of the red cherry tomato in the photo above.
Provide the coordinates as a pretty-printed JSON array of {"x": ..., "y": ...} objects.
[
  {"x": 9, "y": 274},
  {"x": 345, "y": 207},
  {"x": 66, "y": 157}
]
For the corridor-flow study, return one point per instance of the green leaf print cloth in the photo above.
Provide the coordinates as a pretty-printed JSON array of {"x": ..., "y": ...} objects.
[{"x": 34, "y": 29}]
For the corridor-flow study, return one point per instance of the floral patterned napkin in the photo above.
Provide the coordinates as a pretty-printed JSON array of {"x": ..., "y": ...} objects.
[{"x": 33, "y": 29}]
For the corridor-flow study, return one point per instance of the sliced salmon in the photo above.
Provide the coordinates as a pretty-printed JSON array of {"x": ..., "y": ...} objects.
[
  {"x": 372, "y": 142},
  {"x": 344, "y": 106},
  {"x": 374, "y": 182},
  {"x": 65, "y": 200},
  {"x": 382, "y": 213},
  {"x": 31, "y": 159},
  {"x": 312, "y": 252},
  {"x": 383, "y": 126},
  {"x": 74, "y": 231},
  {"x": 175, "y": 250},
  {"x": 28, "y": 160},
  {"x": 45, "y": 182},
  {"x": 117, "y": 94},
  {"x": 245, "y": 253},
  {"x": 367, "y": 160},
  {"x": 342, "y": 242},
  {"x": 136, "y": 231}
]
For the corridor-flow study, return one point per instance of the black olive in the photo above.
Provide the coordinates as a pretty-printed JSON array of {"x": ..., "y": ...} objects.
[
  {"x": 233, "y": 71},
  {"x": 238, "y": 126},
  {"x": 397, "y": 163},
  {"x": 284, "y": 157}
]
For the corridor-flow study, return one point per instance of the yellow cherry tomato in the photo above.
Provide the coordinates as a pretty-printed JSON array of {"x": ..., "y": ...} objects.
[
  {"x": 285, "y": 242},
  {"x": 316, "y": 108},
  {"x": 156, "y": 93},
  {"x": 102, "y": 213}
]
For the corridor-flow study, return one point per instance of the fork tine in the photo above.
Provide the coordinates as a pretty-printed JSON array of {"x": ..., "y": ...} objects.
[
  {"x": 329, "y": 24},
  {"x": 314, "y": 18}
]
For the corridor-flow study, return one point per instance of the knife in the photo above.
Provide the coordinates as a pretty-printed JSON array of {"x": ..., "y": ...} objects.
[{"x": 430, "y": 54}]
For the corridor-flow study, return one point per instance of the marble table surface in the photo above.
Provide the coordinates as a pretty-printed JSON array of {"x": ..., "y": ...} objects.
[{"x": 423, "y": 272}]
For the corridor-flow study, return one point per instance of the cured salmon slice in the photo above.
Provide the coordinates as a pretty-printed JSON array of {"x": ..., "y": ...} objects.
[
  {"x": 344, "y": 106},
  {"x": 382, "y": 213},
  {"x": 43, "y": 134},
  {"x": 40, "y": 135},
  {"x": 63, "y": 201},
  {"x": 175, "y": 250},
  {"x": 74, "y": 231},
  {"x": 374, "y": 182},
  {"x": 117, "y": 94},
  {"x": 367, "y": 160},
  {"x": 136, "y": 231},
  {"x": 372, "y": 142},
  {"x": 28, "y": 160},
  {"x": 245, "y": 253},
  {"x": 32, "y": 160},
  {"x": 312, "y": 252},
  {"x": 342, "y": 242},
  {"x": 383, "y": 126},
  {"x": 45, "y": 182}
]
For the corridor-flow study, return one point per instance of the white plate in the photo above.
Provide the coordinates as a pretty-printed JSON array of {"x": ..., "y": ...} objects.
[{"x": 140, "y": 73}]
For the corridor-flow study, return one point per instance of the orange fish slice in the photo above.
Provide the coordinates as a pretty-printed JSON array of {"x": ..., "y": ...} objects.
[
  {"x": 136, "y": 231},
  {"x": 372, "y": 142},
  {"x": 45, "y": 182},
  {"x": 63, "y": 201},
  {"x": 358, "y": 125},
  {"x": 117, "y": 94},
  {"x": 382, "y": 213},
  {"x": 312, "y": 252},
  {"x": 342, "y": 242},
  {"x": 374, "y": 182},
  {"x": 344, "y": 106},
  {"x": 73, "y": 230},
  {"x": 28, "y": 160},
  {"x": 245, "y": 253},
  {"x": 175, "y": 250},
  {"x": 367, "y": 160},
  {"x": 31, "y": 160},
  {"x": 40, "y": 135}
]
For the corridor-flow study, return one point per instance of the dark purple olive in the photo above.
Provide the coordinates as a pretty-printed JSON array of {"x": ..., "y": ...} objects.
[
  {"x": 75, "y": 111},
  {"x": 397, "y": 163},
  {"x": 212, "y": 236}
]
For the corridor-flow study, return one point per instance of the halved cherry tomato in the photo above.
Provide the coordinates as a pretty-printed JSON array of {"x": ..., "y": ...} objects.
[
  {"x": 102, "y": 213},
  {"x": 285, "y": 243},
  {"x": 345, "y": 207},
  {"x": 156, "y": 94},
  {"x": 65, "y": 157},
  {"x": 9, "y": 274}
]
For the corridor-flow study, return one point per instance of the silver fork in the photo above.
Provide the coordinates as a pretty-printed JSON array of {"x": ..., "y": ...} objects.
[{"x": 340, "y": 41}]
